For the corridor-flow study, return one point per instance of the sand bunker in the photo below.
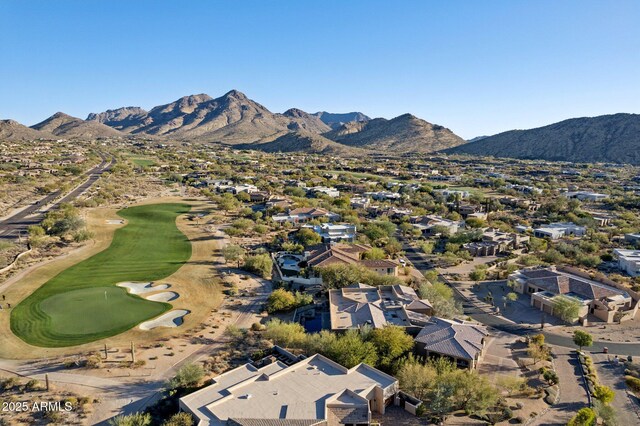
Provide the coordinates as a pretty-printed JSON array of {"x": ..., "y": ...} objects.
[
  {"x": 165, "y": 296},
  {"x": 115, "y": 222},
  {"x": 169, "y": 319},
  {"x": 140, "y": 288}
]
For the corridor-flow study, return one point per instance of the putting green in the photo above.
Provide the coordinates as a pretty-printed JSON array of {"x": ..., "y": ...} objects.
[{"x": 83, "y": 304}]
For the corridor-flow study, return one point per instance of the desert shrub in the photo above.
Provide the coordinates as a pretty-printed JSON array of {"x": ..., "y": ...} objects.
[
  {"x": 180, "y": 419},
  {"x": 82, "y": 235},
  {"x": 189, "y": 375},
  {"x": 551, "y": 377},
  {"x": 282, "y": 300},
  {"x": 256, "y": 326},
  {"x": 584, "y": 417},
  {"x": 260, "y": 264},
  {"x": 633, "y": 383},
  {"x": 32, "y": 385},
  {"x": 72, "y": 400},
  {"x": 93, "y": 362},
  {"x": 9, "y": 383},
  {"x": 136, "y": 419},
  {"x": 53, "y": 416}
]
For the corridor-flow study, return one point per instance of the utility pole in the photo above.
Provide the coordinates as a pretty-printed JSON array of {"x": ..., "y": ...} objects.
[
  {"x": 133, "y": 352},
  {"x": 46, "y": 381},
  {"x": 105, "y": 351}
]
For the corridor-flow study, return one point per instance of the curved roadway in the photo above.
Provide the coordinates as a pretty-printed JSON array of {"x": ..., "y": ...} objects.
[{"x": 13, "y": 226}]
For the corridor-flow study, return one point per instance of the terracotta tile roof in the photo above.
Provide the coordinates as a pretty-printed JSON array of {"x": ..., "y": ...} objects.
[
  {"x": 452, "y": 338},
  {"x": 309, "y": 211},
  {"x": 336, "y": 253},
  {"x": 355, "y": 306},
  {"x": 562, "y": 283},
  {"x": 378, "y": 263}
]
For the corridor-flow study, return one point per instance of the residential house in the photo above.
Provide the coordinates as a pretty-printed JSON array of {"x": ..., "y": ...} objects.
[
  {"x": 286, "y": 390},
  {"x": 453, "y": 192},
  {"x": 331, "y": 233},
  {"x": 495, "y": 242},
  {"x": 525, "y": 189},
  {"x": 361, "y": 304},
  {"x": 304, "y": 215},
  {"x": 331, "y": 192},
  {"x": 632, "y": 239},
  {"x": 585, "y": 195},
  {"x": 236, "y": 189},
  {"x": 278, "y": 201},
  {"x": 544, "y": 285},
  {"x": 460, "y": 341},
  {"x": 384, "y": 195},
  {"x": 446, "y": 178},
  {"x": 628, "y": 261},
  {"x": 431, "y": 225},
  {"x": 381, "y": 266},
  {"x": 483, "y": 248},
  {"x": 520, "y": 203},
  {"x": 559, "y": 230},
  {"x": 470, "y": 209},
  {"x": 300, "y": 270},
  {"x": 259, "y": 196},
  {"x": 360, "y": 202}
]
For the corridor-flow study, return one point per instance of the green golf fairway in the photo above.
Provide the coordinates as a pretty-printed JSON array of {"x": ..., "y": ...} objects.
[{"x": 83, "y": 304}]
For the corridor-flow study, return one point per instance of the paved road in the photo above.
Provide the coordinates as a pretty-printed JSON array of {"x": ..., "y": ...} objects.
[
  {"x": 499, "y": 323},
  {"x": 13, "y": 226},
  {"x": 573, "y": 393},
  {"x": 612, "y": 375}
]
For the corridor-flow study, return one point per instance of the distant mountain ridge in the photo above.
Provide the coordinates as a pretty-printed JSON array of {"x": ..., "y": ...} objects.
[
  {"x": 12, "y": 130},
  {"x": 236, "y": 120},
  {"x": 405, "y": 133},
  {"x": 61, "y": 124},
  {"x": 611, "y": 138},
  {"x": 126, "y": 119},
  {"x": 335, "y": 120},
  {"x": 302, "y": 141}
]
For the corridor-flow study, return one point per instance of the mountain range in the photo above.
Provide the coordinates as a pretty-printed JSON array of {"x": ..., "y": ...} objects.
[
  {"x": 61, "y": 124},
  {"x": 234, "y": 119},
  {"x": 611, "y": 138}
]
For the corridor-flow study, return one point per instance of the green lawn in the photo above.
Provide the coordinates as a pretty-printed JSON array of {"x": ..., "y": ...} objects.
[
  {"x": 83, "y": 304},
  {"x": 143, "y": 162}
]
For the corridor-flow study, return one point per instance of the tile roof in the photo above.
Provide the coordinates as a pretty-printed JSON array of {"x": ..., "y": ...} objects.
[
  {"x": 452, "y": 338},
  {"x": 378, "y": 263},
  {"x": 355, "y": 306},
  {"x": 329, "y": 254},
  {"x": 310, "y": 211},
  {"x": 563, "y": 283}
]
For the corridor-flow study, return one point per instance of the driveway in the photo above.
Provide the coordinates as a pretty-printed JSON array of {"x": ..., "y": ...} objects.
[
  {"x": 627, "y": 410},
  {"x": 573, "y": 394},
  {"x": 498, "y": 360}
]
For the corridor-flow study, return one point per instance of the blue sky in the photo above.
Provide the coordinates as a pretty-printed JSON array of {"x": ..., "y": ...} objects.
[{"x": 477, "y": 67}]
